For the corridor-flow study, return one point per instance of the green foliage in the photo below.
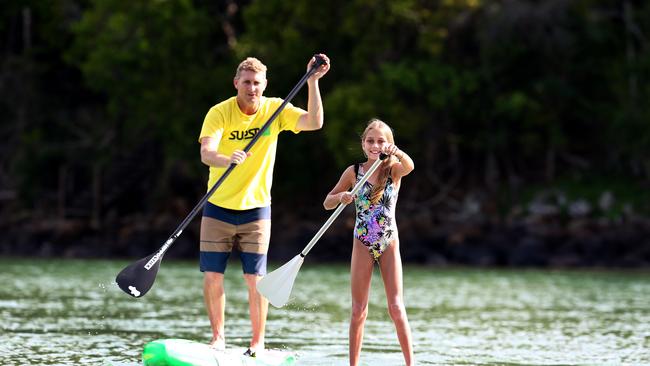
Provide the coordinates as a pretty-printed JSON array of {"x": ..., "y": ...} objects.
[
  {"x": 627, "y": 131},
  {"x": 154, "y": 63},
  {"x": 480, "y": 93}
]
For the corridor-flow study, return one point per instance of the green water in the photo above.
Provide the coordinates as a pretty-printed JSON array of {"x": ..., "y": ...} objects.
[{"x": 72, "y": 313}]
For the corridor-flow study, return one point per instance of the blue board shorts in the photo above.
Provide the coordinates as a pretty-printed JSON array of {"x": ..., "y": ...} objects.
[{"x": 247, "y": 231}]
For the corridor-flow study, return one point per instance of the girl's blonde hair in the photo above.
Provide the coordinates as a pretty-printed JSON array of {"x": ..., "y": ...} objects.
[{"x": 384, "y": 170}]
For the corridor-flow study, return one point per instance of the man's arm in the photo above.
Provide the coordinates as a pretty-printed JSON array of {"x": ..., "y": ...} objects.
[
  {"x": 209, "y": 155},
  {"x": 313, "y": 119}
]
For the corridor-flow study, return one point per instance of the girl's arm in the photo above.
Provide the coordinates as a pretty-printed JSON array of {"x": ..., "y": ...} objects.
[
  {"x": 404, "y": 164},
  {"x": 340, "y": 192}
]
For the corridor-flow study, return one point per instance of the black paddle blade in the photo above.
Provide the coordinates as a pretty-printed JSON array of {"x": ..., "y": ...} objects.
[{"x": 137, "y": 278}]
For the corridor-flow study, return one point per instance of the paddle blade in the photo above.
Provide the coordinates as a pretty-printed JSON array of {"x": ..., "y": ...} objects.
[
  {"x": 138, "y": 277},
  {"x": 276, "y": 286}
]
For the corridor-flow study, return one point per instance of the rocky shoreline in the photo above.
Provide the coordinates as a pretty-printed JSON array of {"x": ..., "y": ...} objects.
[{"x": 542, "y": 237}]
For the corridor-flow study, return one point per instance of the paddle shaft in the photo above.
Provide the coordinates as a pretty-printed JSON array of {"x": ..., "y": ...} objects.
[
  {"x": 341, "y": 206},
  {"x": 318, "y": 63}
]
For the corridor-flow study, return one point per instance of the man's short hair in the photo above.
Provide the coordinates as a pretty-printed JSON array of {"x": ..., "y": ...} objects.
[{"x": 250, "y": 64}]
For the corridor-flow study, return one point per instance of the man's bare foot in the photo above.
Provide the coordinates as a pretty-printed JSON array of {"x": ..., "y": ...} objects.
[
  {"x": 250, "y": 353},
  {"x": 256, "y": 348},
  {"x": 217, "y": 344}
]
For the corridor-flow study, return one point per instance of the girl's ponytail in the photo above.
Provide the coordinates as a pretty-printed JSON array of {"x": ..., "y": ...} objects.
[{"x": 378, "y": 189}]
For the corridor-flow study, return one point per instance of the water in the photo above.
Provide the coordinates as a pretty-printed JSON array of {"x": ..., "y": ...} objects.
[{"x": 72, "y": 313}]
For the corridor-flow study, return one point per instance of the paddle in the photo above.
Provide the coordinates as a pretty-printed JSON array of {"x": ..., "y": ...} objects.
[
  {"x": 276, "y": 286},
  {"x": 137, "y": 278}
]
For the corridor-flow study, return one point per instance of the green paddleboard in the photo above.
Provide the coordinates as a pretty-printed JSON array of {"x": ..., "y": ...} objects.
[{"x": 182, "y": 352}]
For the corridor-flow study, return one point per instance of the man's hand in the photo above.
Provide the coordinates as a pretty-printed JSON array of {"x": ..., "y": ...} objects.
[
  {"x": 322, "y": 70},
  {"x": 239, "y": 156}
]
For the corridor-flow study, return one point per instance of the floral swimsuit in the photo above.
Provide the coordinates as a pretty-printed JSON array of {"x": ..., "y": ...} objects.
[{"x": 375, "y": 223}]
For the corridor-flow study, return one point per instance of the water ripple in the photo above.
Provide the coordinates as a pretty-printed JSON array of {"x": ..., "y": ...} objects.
[{"x": 72, "y": 313}]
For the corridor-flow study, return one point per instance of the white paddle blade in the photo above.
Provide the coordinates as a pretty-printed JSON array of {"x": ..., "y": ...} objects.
[{"x": 276, "y": 286}]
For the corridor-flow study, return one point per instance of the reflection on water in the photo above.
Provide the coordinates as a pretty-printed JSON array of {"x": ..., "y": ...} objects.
[{"x": 71, "y": 313}]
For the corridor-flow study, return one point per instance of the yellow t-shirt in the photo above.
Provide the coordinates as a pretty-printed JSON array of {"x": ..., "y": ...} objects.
[{"x": 249, "y": 184}]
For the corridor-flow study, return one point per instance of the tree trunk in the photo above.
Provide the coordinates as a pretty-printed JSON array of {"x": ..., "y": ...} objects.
[{"x": 96, "y": 213}]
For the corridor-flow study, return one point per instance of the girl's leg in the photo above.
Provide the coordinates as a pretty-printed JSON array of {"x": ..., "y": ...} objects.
[
  {"x": 390, "y": 264},
  {"x": 360, "y": 276}
]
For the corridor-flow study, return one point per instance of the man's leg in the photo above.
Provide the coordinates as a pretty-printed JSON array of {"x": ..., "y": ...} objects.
[
  {"x": 215, "y": 303},
  {"x": 216, "y": 245},
  {"x": 258, "y": 307},
  {"x": 254, "y": 243}
]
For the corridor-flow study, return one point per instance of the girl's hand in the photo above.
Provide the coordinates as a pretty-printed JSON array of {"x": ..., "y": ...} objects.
[
  {"x": 390, "y": 149},
  {"x": 346, "y": 198}
]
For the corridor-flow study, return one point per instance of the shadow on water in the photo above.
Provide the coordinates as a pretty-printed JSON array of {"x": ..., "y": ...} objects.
[{"x": 70, "y": 312}]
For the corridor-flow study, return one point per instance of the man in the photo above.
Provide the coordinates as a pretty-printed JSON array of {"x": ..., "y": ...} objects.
[{"x": 238, "y": 215}]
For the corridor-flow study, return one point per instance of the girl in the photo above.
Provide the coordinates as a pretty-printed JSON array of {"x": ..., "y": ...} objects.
[{"x": 375, "y": 233}]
